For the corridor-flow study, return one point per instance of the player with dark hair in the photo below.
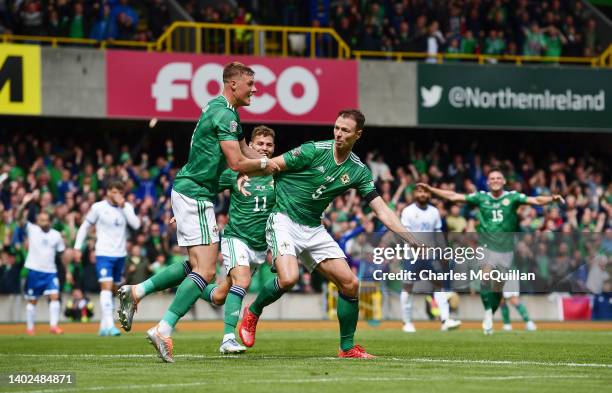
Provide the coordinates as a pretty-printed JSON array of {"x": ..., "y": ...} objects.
[
  {"x": 44, "y": 243},
  {"x": 498, "y": 220},
  {"x": 310, "y": 177}
]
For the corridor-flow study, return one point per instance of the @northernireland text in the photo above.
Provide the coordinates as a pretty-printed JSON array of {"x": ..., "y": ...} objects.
[{"x": 430, "y": 275}]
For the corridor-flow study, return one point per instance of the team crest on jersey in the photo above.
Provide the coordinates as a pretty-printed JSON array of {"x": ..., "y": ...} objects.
[
  {"x": 233, "y": 126},
  {"x": 296, "y": 152},
  {"x": 506, "y": 202},
  {"x": 345, "y": 178}
]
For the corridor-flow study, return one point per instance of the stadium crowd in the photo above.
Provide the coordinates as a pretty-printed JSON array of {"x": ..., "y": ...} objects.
[
  {"x": 66, "y": 179},
  {"x": 494, "y": 27},
  {"x": 141, "y": 20}
]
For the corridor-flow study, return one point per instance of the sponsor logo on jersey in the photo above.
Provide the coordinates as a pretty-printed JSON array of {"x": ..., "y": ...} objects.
[{"x": 345, "y": 179}]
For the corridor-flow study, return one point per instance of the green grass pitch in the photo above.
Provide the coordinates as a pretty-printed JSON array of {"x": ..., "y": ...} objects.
[{"x": 304, "y": 361}]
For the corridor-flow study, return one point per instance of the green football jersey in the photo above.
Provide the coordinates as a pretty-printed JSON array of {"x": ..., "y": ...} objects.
[
  {"x": 199, "y": 178},
  {"x": 498, "y": 218},
  {"x": 313, "y": 179},
  {"x": 248, "y": 214}
]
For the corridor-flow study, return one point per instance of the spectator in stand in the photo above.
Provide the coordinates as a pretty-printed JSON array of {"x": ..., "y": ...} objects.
[
  {"x": 158, "y": 17},
  {"x": 78, "y": 24},
  {"x": 103, "y": 26},
  {"x": 469, "y": 45},
  {"x": 535, "y": 42},
  {"x": 495, "y": 44},
  {"x": 434, "y": 41},
  {"x": 124, "y": 20},
  {"x": 32, "y": 17},
  {"x": 555, "y": 41}
]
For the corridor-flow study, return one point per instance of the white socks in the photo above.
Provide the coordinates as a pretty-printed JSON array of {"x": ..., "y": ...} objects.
[
  {"x": 30, "y": 315},
  {"x": 164, "y": 328},
  {"x": 406, "y": 302},
  {"x": 139, "y": 291},
  {"x": 442, "y": 300},
  {"x": 54, "y": 312},
  {"x": 106, "y": 307}
]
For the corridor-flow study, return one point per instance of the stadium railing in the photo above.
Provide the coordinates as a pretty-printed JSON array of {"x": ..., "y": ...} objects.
[
  {"x": 259, "y": 40},
  {"x": 439, "y": 58},
  {"x": 262, "y": 40}
]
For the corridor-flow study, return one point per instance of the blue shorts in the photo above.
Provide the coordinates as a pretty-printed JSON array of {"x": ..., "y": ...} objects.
[
  {"x": 41, "y": 283},
  {"x": 110, "y": 268}
]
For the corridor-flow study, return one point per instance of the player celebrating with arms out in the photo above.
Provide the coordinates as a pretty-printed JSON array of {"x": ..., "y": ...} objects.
[
  {"x": 44, "y": 243},
  {"x": 217, "y": 142},
  {"x": 498, "y": 220},
  {"x": 311, "y": 176},
  {"x": 111, "y": 217}
]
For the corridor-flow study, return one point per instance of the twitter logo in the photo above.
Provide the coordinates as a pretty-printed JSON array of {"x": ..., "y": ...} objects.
[{"x": 431, "y": 97}]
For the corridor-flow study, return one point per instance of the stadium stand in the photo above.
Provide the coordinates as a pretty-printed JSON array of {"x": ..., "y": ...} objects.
[
  {"x": 495, "y": 27},
  {"x": 112, "y": 19},
  {"x": 70, "y": 175}
]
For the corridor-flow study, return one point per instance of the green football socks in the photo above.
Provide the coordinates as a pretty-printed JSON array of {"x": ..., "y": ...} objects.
[
  {"x": 172, "y": 276},
  {"x": 186, "y": 295},
  {"x": 523, "y": 311},
  {"x": 233, "y": 304},
  {"x": 348, "y": 314},
  {"x": 270, "y": 293},
  {"x": 505, "y": 312},
  {"x": 207, "y": 294}
]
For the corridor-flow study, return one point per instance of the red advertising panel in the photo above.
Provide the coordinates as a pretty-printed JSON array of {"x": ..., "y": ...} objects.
[{"x": 176, "y": 86}]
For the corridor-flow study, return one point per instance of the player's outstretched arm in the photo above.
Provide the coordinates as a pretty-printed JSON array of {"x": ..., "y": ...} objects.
[
  {"x": 391, "y": 221},
  {"x": 20, "y": 214},
  {"x": 449, "y": 195},
  {"x": 239, "y": 163},
  {"x": 544, "y": 200},
  {"x": 243, "y": 178}
]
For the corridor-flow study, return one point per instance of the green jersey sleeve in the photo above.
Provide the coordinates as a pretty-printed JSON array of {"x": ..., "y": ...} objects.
[
  {"x": 228, "y": 125},
  {"x": 473, "y": 198},
  {"x": 227, "y": 180},
  {"x": 299, "y": 157},
  {"x": 519, "y": 198},
  {"x": 366, "y": 184}
]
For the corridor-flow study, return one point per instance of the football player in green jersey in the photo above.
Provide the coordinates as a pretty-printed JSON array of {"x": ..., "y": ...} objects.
[
  {"x": 310, "y": 177},
  {"x": 217, "y": 143},
  {"x": 498, "y": 221},
  {"x": 243, "y": 242}
]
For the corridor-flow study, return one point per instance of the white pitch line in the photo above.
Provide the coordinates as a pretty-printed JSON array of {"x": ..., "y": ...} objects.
[
  {"x": 264, "y": 357},
  {"x": 509, "y": 362},
  {"x": 300, "y": 381}
]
